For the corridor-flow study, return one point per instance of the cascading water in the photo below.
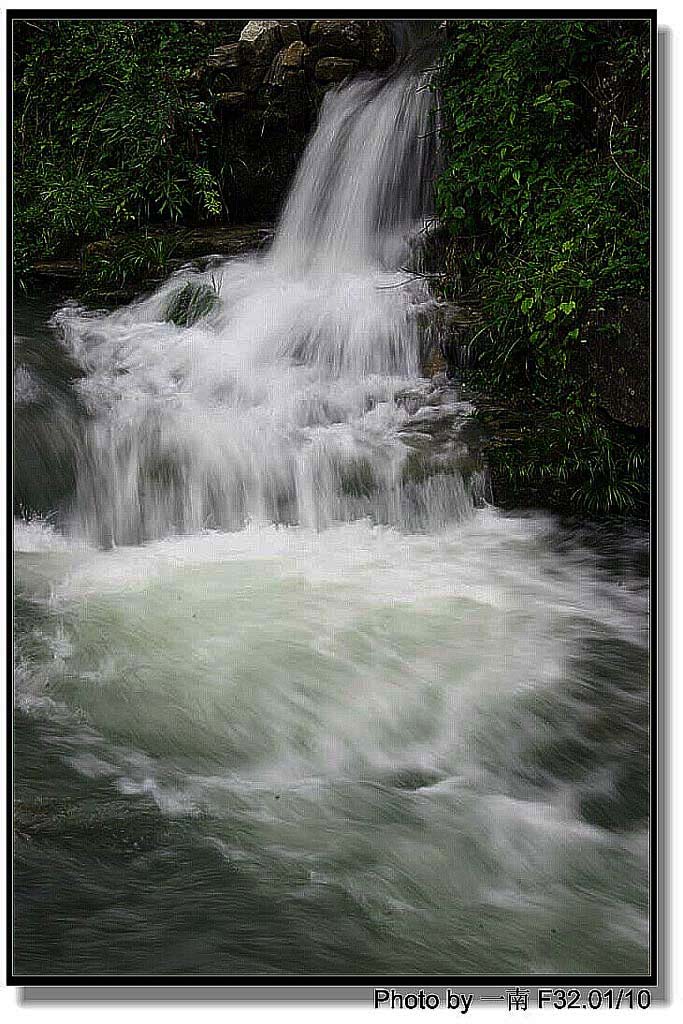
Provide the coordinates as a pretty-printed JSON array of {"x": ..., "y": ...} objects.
[
  {"x": 281, "y": 406},
  {"x": 290, "y": 698}
]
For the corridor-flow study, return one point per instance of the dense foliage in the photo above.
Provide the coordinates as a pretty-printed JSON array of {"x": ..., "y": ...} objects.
[
  {"x": 109, "y": 130},
  {"x": 120, "y": 134},
  {"x": 545, "y": 193}
]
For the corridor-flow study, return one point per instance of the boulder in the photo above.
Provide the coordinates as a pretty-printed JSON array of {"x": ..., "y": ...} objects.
[
  {"x": 229, "y": 56},
  {"x": 288, "y": 62},
  {"x": 336, "y": 37},
  {"x": 262, "y": 40},
  {"x": 289, "y": 32},
  {"x": 334, "y": 69},
  {"x": 295, "y": 55}
]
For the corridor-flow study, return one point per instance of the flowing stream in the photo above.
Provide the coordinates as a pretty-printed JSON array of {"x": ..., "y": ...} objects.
[{"x": 292, "y": 696}]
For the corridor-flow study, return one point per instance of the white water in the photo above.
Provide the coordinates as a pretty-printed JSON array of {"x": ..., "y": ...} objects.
[
  {"x": 281, "y": 405},
  {"x": 359, "y": 686}
]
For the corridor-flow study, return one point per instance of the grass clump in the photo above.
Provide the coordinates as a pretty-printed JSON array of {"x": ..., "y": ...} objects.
[
  {"x": 191, "y": 303},
  {"x": 124, "y": 265}
]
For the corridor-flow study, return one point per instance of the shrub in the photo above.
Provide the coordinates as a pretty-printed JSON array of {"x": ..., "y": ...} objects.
[
  {"x": 111, "y": 130},
  {"x": 545, "y": 194}
]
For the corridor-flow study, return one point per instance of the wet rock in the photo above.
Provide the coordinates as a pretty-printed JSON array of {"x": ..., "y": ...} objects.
[
  {"x": 234, "y": 240},
  {"x": 441, "y": 436},
  {"x": 413, "y": 778},
  {"x": 443, "y": 327},
  {"x": 198, "y": 245},
  {"x": 434, "y": 363},
  {"x": 293, "y": 56},
  {"x": 68, "y": 269},
  {"x": 334, "y": 69},
  {"x": 337, "y": 37},
  {"x": 262, "y": 40},
  {"x": 277, "y": 71}
]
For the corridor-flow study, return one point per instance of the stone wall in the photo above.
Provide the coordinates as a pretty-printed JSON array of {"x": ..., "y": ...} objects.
[
  {"x": 291, "y": 64},
  {"x": 266, "y": 87}
]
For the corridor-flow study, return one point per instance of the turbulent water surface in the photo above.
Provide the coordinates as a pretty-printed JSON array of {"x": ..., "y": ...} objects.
[{"x": 292, "y": 697}]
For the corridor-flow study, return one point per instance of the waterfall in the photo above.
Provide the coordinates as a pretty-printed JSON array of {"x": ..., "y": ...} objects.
[
  {"x": 363, "y": 186},
  {"x": 284, "y": 404},
  {"x": 288, "y": 699}
]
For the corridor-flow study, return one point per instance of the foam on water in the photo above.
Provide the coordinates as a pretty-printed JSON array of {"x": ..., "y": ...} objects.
[
  {"x": 366, "y": 614},
  {"x": 362, "y": 712}
]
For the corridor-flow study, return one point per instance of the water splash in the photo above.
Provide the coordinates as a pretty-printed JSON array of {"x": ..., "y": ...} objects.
[{"x": 283, "y": 405}]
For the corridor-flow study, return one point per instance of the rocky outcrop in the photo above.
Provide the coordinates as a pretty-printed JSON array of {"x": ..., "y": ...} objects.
[
  {"x": 185, "y": 245},
  {"x": 230, "y": 55},
  {"x": 369, "y": 42},
  {"x": 261, "y": 41},
  {"x": 265, "y": 84},
  {"x": 292, "y": 63},
  {"x": 287, "y": 63},
  {"x": 336, "y": 37}
]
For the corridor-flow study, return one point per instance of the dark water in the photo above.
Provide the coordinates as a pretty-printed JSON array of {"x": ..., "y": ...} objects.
[{"x": 47, "y": 413}]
